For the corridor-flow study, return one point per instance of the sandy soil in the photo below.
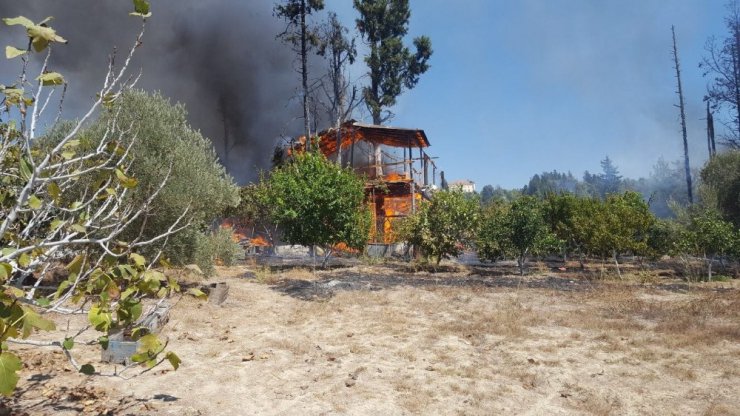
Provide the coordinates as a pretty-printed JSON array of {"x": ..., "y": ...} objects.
[{"x": 357, "y": 341}]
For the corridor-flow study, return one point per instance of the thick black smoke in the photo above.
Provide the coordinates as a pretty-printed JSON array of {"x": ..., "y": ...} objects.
[{"x": 219, "y": 58}]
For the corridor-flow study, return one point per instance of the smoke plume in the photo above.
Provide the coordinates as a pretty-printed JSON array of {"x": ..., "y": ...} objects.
[{"x": 220, "y": 58}]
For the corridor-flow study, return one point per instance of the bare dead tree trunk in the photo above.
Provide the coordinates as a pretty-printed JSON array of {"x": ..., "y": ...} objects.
[
  {"x": 304, "y": 74},
  {"x": 226, "y": 146},
  {"x": 710, "y": 132},
  {"x": 378, "y": 159},
  {"x": 736, "y": 69},
  {"x": 683, "y": 118}
]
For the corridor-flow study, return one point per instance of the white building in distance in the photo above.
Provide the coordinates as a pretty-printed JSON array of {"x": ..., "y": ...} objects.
[{"x": 465, "y": 185}]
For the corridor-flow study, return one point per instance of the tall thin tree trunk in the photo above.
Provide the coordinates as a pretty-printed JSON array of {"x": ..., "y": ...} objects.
[
  {"x": 304, "y": 75},
  {"x": 616, "y": 263},
  {"x": 377, "y": 151},
  {"x": 736, "y": 80},
  {"x": 710, "y": 132},
  {"x": 683, "y": 119}
]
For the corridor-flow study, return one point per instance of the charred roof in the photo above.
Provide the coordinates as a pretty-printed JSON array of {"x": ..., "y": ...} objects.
[{"x": 353, "y": 130}]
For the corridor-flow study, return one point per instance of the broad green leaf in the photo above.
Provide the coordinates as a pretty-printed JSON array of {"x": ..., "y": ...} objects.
[
  {"x": 104, "y": 342},
  {"x": 139, "y": 357},
  {"x": 99, "y": 319},
  {"x": 24, "y": 260},
  {"x": 6, "y": 270},
  {"x": 41, "y": 36},
  {"x": 68, "y": 343},
  {"x": 141, "y": 8},
  {"x": 138, "y": 259},
  {"x": 162, "y": 292},
  {"x": 55, "y": 224},
  {"x": 33, "y": 320},
  {"x": 34, "y": 202},
  {"x": 87, "y": 369},
  {"x": 197, "y": 293},
  {"x": 43, "y": 302},
  {"x": 78, "y": 228},
  {"x": 9, "y": 366},
  {"x": 128, "y": 292},
  {"x": 71, "y": 144},
  {"x": 126, "y": 181},
  {"x": 51, "y": 78},
  {"x": 13, "y": 52},
  {"x": 54, "y": 191},
  {"x": 139, "y": 332},
  {"x": 136, "y": 310},
  {"x": 14, "y": 291},
  {"x": 75, "y": 266},
  {"x": 68, "y": 154},
  {"x": 13, "y": 96},
  {"x": 26, "y": 169},
  {"x": 174, "y": 360},
  {"x": 150, "y": 343},
  {"x": 20, "y": 20},
  {"x": 7, "y": 251},
  {"x": 154, "y": 275}
]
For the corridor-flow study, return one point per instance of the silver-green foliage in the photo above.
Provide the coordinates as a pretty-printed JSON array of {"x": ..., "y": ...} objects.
[{"x": 164, "y": 145}]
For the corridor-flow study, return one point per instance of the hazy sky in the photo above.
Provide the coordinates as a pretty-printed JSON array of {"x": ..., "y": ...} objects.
[
  {"x": 519, "y": 87},
  {"x": 516, "y": 87}
]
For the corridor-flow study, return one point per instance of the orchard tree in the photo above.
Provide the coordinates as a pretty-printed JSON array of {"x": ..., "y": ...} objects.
[
  {"x": 256, "y": 207},
  {"x": 317, "y": 203},
  {"x": 493, "y": 232},
  {"x": 302, "y": 38},
  {"x": 443, "y": 226},
  {"x": 517, "y": 229},
  {"x": 721, "y": 183},
  {"x": 40, "y": 228},
  {"x": 612, "y": 227},
  {"x": 558, "y": 210},
  {"x": 708, "y": 236},
  {"x": 392, "y": 66}
]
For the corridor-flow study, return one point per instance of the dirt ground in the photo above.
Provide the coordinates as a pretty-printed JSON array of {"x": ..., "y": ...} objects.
[{"x": 383, "y": 340}]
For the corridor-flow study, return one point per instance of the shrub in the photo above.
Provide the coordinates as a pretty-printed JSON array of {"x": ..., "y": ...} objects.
[
  {"x": 317, "y": 203},
  {"x": 217, "y": 247},
  {"x": 443, "y": 226},
  {"x": 516, "y": 229},
  {"x": 163, "y": 145}
]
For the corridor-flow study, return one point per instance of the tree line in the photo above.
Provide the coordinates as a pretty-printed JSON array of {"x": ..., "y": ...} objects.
[{"x": 551, "y": 217}]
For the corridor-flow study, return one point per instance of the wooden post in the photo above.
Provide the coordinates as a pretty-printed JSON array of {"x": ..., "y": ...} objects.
[
  {"x": 411, "y": 175},
  {"x": 426, "y": 169}
]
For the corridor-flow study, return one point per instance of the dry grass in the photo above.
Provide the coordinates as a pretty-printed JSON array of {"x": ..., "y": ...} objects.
[{"x": 616, "y": 349}]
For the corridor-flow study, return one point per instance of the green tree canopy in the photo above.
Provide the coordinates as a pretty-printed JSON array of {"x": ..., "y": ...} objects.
[
  {"x": 442, "y": 226},
  {"x": 317, "y": 203},
  {"x": 721, "y": 177},
  {"x": 392, "y": 66}
]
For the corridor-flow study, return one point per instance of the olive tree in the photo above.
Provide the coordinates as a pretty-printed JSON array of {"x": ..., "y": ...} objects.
[
  {"x": 40, "y": 228},
  {"x": 163, "y": 143}
]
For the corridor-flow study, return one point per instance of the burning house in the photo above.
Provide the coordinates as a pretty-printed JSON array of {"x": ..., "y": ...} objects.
[{"x": 398, "y": 171}]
